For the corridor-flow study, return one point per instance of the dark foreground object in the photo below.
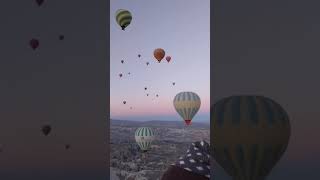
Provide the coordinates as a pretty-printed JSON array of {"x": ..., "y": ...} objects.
[{"x": 175, "y": 173}]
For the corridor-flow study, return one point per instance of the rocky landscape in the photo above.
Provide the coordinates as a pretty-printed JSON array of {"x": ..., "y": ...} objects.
[{"x": 127, "y": 162}]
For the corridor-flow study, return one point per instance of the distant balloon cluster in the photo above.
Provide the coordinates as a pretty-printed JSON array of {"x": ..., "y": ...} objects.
[
  {"x": 124, "y": 18},
  {"x": 186, "y": 104},
  {"x": 34, "y": 43}
]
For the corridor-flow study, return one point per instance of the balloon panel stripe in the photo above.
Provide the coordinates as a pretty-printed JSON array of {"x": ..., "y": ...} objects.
[
  {"x": 122, "y": 13},
  {"x": 253, "y": 159},
  {"x": 254, "y": 117},
  {"x": 240, "y": 159},
  {"x": 123, "y": 16},
  {"x": 236, "y": 111},
  {"x": 270, "y": 112}
]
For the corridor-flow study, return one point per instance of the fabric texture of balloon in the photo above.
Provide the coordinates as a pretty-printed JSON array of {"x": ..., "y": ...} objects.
[
  {"x": 159, "y": 54},
  {"x": 144, "y": 137},
  {"x": 123, "y": 18},
  {"x": 187, "y": 104},
  {"x": 250, "y": 134}
]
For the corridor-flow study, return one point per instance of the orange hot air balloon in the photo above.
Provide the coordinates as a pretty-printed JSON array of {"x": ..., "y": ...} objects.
[{"x": 159, "y": 54}]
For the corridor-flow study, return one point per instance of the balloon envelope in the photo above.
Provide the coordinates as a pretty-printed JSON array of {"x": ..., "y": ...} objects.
[
  {"x": 168, "y": 58},
  {"x": 61, "y": 37},
  {"x": 123, "y": 18},
  {"x": 250, "y": 134},
  {"x": 34, "y": 43},
  {"x": 159, "y": 54},
  {"x": 46, "y": 129},
  {"x": 187, "y": 104},
  {"x": 39, "y": 2},
  {"x": 144, "y": 136}
]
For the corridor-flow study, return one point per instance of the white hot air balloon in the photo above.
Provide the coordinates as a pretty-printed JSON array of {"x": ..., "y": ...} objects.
[
  {"x": 144, "y": 137},
  {"x": 187, "y": 104}
]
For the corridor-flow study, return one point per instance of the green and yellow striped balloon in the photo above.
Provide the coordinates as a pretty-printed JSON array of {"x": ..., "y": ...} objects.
[
  {"x": 123, "y": 18},
  {"x": 187, "y": 104},
  {"x": 250, "y": 134},
  {"x": 144, "y": 137}
]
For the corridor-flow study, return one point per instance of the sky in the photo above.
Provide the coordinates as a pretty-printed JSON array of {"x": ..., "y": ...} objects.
[{"x": 185, "y": 36}]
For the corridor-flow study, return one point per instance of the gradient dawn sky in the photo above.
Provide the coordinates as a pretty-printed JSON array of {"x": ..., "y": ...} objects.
[{"x": 184, "y": 33}]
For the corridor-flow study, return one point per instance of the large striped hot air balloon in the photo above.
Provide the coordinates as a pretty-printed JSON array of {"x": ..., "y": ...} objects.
[
  {"x": 187, "y": 104},
  {"x": 250, "y": 134},
  {"x": 144, "y": 137},
  {"x": 123, "y": 18}
]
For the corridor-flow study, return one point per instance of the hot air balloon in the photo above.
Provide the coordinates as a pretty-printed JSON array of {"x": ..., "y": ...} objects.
[
  {"x": 39, "y": 2},
  {"x": 250, "y": 134},
  {"x": 147, "y": 94},
  {"x": 159, "y": 54},
  {"x": 145, "y": 88},
  {"x": 122, "y": 61},
  {"x": 144, "y": 137},
  {"x": 34, "y": 43},
  {"x": 173, "y": 83},
  {"x": 123, "y": 18},
  {"x": 168, "y": 58},
  {"x": 120, "y": 75},
  {"x": 139, "y": 55},
  {"x": 187, "y": 104},
  {"x": 124, "y": 102},
  {"x": 46, "y": 129},
  {"x": 61, "y": 37},
  {"x": 147, "y": 63},
  {"x": 129, "y": 73},
  {"x": 67, "y": 146},
  {"x": 157, "y": 95}
]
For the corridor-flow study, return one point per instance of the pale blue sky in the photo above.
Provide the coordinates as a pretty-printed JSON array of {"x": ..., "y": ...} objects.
[{"x": 182, "y": 29}]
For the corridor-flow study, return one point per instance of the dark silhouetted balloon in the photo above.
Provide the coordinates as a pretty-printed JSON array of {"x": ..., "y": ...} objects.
[
  {"x": 120, "y": 75},
  {"x": 46, "y": 129},
  {"x": 157, "y": 95},
  {"x": 34, "y": 43},
  {"x": 147, "y": 94},
  {"x": 124, "y": 102},
  {"x": 173, "y": 83},
  {"x": 129, "y": 73},
  {"x": 145, "y": 88},
  {"x": 61, "y": 37},
  {"x": 250, "y": 135},
  {"x": 139, "y": 55},
  {"x": 168, "y": 58},
  {"x": 67, "y": 146},
  {"x": 122, "y": 61},
  {"x": 39, "y": 2},
  {"x": 147, "y": 63}
]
